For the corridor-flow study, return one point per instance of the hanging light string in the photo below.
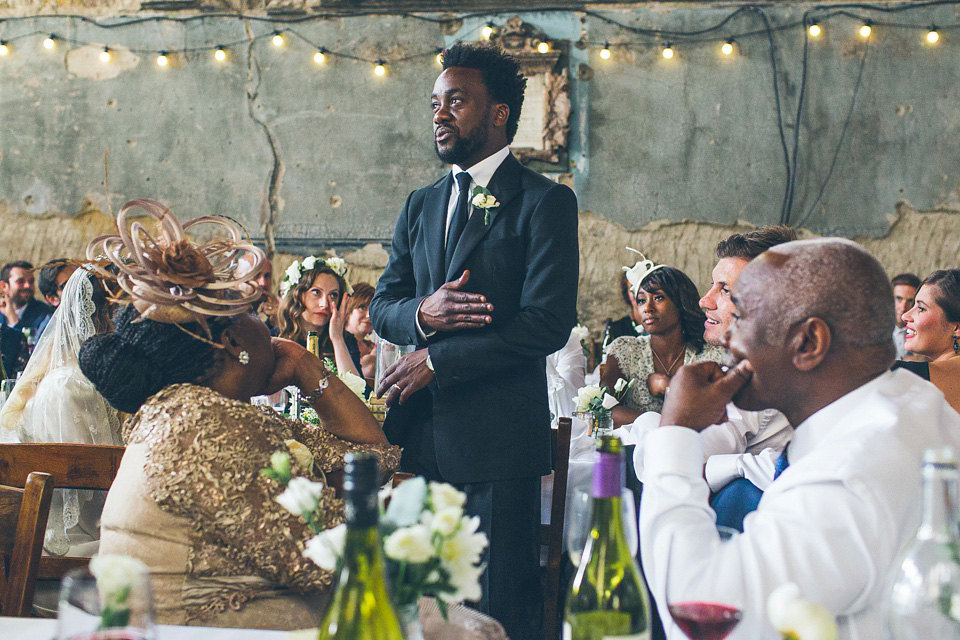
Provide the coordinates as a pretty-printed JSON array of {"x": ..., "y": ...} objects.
[{"x": 651, "y": 38}]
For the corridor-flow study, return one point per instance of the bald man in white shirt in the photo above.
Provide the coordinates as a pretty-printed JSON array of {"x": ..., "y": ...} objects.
[{"x": 811, "y": 339}]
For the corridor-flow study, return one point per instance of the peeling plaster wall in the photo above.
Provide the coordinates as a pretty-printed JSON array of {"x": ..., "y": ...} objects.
[{"x": 666, "y": 156}]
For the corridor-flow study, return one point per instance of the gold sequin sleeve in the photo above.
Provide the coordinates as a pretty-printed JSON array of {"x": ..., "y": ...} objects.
[
  {"x": 328, "y": 450},
  {"x": 205, "y": 455}
]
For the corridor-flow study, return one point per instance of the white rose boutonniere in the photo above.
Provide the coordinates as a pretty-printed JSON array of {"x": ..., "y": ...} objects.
[{"x": 483, "y": 199}]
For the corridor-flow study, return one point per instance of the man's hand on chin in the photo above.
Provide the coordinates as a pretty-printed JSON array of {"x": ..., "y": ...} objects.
[
  {"x": 450, "y": 309},
  {"x": 405, "y": 377},
  {"x": 699, "y": 393}
]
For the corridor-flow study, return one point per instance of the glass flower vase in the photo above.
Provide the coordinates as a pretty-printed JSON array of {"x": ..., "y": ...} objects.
[
  {"x": 409, "y": 615},
  {"x": 602, "y": 424}
]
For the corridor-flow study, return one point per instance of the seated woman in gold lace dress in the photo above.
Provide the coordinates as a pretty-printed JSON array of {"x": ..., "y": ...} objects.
[{"x": 188, "y": 501}]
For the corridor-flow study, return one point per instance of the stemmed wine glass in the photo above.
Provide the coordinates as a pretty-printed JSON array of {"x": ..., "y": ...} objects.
[
  {"x": 705, "y": 606},
  {"x": 579, "y": 513}
]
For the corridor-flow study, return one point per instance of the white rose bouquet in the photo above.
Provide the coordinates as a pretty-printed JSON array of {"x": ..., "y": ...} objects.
[
  {"x": 599, "y": 401},
  {"x": 116, "y": 576},
  {"x": 431, "y": 548},
  {"x": 796, "y": 618}
]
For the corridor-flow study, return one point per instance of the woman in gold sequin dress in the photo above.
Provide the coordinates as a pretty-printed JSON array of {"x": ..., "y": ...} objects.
[{"x": 188, "y": 500}]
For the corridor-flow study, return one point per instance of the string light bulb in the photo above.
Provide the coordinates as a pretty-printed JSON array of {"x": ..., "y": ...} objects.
[
  {"x": 440, "y": 57},
  {"x": 933, "y": 35},
  {"x": 4, "y": 49},
  {"x": 727, "y": 48},
  {"x": 543, "y": 47},
  {"x": 277, "y": 39},
  {"x": 380, "y": 69},
  {"x": 487, "y": 31},
  {"x": 105, "y": 55},
  {"x": 220, "y": 54},
  {"x": 50, "y": 41},
  {"x": 667, "y": 52},
  {"x": 866, "y": 30},
  {"x": 814, "y": 30},
  {"x": 320, "y": 56},
  {"x": 162, "y": 59},
  {"x": 605, "y": 52}
]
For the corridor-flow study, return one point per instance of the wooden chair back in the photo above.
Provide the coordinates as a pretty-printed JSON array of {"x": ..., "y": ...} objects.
[
  {"x": 72, "y": 466},
  {"x": 23, "y": 522},
  {"x": 551, "y": 535}
]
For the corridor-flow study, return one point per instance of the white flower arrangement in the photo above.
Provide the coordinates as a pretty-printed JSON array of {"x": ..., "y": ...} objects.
[
  {"x": 297, "y": 268},
  {"x": 431, "y": 548},
  {"x": 797, "y": 618},
  {"x": 116, "y": 576},
  {"x": 599, "y": 401},
  {"x": 581, "y": 332}
]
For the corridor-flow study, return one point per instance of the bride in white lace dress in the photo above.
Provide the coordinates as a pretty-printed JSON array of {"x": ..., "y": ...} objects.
[{"x": 54, "y": 402}]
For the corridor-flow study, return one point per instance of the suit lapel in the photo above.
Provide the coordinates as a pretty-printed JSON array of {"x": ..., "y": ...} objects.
[
  {"x": 435, "y": 227},
  {"x": 505, "y": 186}
]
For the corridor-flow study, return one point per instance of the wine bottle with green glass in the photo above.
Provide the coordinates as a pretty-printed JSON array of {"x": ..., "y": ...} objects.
[
  {"x": 607, "y": 598},
  {"x": 361, "y": 607}
]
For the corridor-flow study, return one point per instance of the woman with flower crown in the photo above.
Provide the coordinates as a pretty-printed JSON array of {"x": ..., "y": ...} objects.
[
  {"x": 188, "y": 500},
  {"x": 313, "y": 293}
]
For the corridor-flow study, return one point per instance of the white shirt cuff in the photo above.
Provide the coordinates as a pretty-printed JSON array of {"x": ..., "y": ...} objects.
[
  {"x": 721, "y": 470},
  {"x": 673, "y": 450},
  {"x": 416, "y": 320}
]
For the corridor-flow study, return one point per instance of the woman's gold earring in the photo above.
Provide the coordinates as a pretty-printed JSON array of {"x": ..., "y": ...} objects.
[{"x": 244, "y": 357}]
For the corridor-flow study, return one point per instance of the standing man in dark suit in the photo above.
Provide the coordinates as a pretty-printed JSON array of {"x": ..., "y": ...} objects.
[
  {"x": 486, "y": 287},
  {"x": 21, "y": 309}
]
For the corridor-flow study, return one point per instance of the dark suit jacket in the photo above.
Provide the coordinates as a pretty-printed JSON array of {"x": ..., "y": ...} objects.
[
  {"x": 35, "y": 315},
  {"x": 488, "y": 404}
]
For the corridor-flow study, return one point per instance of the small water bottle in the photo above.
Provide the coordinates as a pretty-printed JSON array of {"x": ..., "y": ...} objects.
[{"x": 923, "y": 591}]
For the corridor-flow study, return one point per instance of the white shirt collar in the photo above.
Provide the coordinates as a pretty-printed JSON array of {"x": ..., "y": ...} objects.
[
  {"x": 483, "y": 171},
  {"x": 814, "y": 429}
]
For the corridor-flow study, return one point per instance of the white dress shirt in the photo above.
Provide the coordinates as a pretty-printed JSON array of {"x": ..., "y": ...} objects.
[
  {"x": 746, "y": 446},
  {"x": 833, "y": 523},
  {"x": 899, "y": 341},
  {"x": 480, "y": 175}
]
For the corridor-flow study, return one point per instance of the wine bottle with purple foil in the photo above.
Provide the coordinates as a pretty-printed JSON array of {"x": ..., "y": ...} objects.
[{"x": 608, "y": 598}]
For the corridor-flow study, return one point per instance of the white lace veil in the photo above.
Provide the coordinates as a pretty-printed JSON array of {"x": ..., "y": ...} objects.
[{"x": 54, "y": 402}]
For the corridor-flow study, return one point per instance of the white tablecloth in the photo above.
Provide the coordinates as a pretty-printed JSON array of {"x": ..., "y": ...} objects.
[{"x": 46, "y": 629}]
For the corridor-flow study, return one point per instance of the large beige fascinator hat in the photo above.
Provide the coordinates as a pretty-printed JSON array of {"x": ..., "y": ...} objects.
[
  {"x": 639, "y": 271},
  {"x": 173, "y": 279}
]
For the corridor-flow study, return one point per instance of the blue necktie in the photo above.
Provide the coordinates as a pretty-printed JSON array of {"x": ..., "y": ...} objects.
[
  {"x": 460, "y": 216},
  {"x": 740, "y": 497}
]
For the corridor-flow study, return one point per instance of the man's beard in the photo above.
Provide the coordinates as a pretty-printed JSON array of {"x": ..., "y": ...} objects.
[{"x": 464, "y": 147}]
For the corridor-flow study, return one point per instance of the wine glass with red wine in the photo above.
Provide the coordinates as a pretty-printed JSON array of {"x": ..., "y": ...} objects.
[{"x": 705, "y": 607}]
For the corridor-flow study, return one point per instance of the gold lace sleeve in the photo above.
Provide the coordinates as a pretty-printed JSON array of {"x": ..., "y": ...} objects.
[
  {"x": 205, "y": 455},
  {"x": 328, "y": 450}
]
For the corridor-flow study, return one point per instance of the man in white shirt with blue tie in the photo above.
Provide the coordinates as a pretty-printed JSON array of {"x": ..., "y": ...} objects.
[{"x": 811, "y": 338}]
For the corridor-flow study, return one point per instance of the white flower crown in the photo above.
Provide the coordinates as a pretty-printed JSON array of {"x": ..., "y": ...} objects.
[
  {"x": 639, "y": 271},
  {"x": 296, "y": 269}
]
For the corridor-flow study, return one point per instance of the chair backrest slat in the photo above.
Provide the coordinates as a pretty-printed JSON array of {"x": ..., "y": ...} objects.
[
  {"x": 29, "y": 507},
  {"x": 73, "y": 466}
]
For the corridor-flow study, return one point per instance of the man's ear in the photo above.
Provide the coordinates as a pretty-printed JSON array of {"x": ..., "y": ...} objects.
[
  {"x": 810, "y": 341},
  {"x": 501, "y": 114}
]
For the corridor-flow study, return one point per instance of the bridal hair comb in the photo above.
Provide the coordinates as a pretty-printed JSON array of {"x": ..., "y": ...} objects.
[
  {"x": 171, "y": 278},
  {"x": 639, "y": 271}
]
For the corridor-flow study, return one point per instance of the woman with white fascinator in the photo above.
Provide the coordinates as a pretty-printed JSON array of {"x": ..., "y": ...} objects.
[{"x": 666, "y": 304}]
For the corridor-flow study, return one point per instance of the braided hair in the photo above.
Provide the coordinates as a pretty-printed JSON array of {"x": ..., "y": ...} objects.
[{"x": 141, "y": 357}]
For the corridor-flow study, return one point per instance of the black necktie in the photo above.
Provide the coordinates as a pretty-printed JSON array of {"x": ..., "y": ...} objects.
[{"x": 460, "y": 216}]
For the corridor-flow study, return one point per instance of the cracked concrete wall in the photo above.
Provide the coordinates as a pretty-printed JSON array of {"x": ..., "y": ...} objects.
[{"x": 666, "y": 157}]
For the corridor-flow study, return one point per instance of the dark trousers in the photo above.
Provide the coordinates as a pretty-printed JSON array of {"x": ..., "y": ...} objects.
[{"x": 509, "y": 512}]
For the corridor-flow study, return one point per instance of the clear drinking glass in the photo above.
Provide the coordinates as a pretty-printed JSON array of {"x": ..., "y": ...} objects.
[
  {"x": 579, "y": 514},
  {"x": 90, "y": 611},
  {"x": 387, "y": 354},
  {"x": 705, "y": 607},
  {"x": 6, "y": 388}
]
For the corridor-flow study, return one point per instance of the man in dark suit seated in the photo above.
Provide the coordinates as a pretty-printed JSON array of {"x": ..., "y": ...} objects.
[
  {"x": 21, "y": 309},
  {"x": 483, "y": 279}
]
